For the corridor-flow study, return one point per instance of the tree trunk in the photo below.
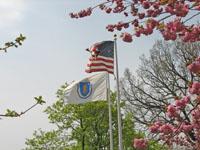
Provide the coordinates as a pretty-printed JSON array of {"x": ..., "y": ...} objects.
[{"x": 83, "y": 136}]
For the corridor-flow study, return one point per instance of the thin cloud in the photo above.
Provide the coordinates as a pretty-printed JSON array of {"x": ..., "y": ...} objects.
[{"x": 11, "y": 12}]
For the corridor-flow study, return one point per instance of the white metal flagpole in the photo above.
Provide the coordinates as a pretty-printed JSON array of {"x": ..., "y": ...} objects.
[
  {"x": 109, "y": 112},
  {"x": 119, "y": 118}
]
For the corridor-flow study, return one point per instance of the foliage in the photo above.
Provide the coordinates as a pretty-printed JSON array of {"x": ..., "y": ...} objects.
[
  {"x": 18, "y": 42},
  {"x": 39, "y": 100},
  {"x": 13, "y": 113},
  {"x": 85, "y": 126},
  {"x": 47, "y": 140}
]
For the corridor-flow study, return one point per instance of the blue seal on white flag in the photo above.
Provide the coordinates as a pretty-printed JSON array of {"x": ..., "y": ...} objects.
[
  {"x": 84, "y": 89},
  {"x": 92, "y": 88}
]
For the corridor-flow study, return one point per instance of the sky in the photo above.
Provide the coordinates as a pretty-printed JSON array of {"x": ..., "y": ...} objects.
[{"x": 53, "y": 53}]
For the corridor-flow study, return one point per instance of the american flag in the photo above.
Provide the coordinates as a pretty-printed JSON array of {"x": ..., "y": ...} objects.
[{"x": 102, "y": 57}]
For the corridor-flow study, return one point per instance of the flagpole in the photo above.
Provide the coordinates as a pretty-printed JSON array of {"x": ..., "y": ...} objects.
[
  {"x": 119, "y": 118},
  {"x": 109, "y": 112}
]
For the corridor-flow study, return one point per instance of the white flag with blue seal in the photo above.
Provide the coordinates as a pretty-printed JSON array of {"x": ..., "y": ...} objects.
[{"x": 90, "y": 89}]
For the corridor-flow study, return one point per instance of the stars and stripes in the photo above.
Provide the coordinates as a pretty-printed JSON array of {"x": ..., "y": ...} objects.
[{"x": 102, "y": 57}]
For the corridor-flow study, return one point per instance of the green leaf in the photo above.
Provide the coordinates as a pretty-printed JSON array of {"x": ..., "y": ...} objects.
[
  {"x": 11, "y": 113},
  {"x": 39, "y": 100}
]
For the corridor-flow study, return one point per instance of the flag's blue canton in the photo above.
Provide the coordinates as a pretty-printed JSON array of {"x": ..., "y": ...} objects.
[{"x": 106, "y": 49}]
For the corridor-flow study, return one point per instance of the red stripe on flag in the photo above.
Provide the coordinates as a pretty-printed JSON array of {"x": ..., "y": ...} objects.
[
  {"x": 101, "y": 59},
  {"x": 100, "y": 64},
  {"x": 97, "y": 70}
]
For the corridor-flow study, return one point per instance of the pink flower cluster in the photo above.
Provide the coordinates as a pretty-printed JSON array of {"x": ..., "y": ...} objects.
[
  {"x": 195, "y": 88},
  {"x": 119, "y": 26},
  {"x": 140, "y": 144},
  {"x": 172, "y": 28},
  {"x": 159, "y": 127},
  {"x": 171, "y": 133},
  {"x": 194, "y": 66},
  {"x": 196, "y": 126},
  {"x": 184, "y": 129},
  {"x": 191, "y": 34},
  {"x": 181, "y": 104},
  {"x": 82, "y": 13},
  {"x": 179, "y": 9},
  {"x": 126, "y": 37},
  {"x": 155, "y": 127},
  {"x": 174, "y": 110},
  {"x": 166, "y": 129},
  {"x": 196, "y": 115},
  {"x": 176, "y": 28}
]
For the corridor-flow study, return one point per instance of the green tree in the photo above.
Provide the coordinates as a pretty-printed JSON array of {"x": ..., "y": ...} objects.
[
  {"x": 83, "y": 127},
  {"x": 48, "y": 140}
]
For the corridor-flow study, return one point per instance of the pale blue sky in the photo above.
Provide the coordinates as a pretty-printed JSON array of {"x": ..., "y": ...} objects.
[{"x": 53, "y": 53}]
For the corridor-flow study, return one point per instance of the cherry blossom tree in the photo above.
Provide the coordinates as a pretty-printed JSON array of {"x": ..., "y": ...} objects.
[
  {"x": 172, "y": 18},
  {"x": 184, "y": 130},
  {"x": 163, "y": 93}
]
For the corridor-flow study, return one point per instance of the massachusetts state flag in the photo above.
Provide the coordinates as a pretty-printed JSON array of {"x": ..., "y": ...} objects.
[
  {"x": 102, "y": 57},
  {"x": 92, "y": 88}
]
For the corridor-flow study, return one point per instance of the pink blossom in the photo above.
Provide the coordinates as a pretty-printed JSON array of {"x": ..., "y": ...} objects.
[
  {"x": 181, "y": 104},
  {"x": 192, "y": 35},
  {"x": 181, "y": 9},
  {"x": 146, "y": 4},
  {"x": 194, "y": 67},
  {"x": 154, "y": 128},
  {"x": 126, "y": 37},
  {"x": 166, "y": 129},
  {"x": 172, "y": 111},
  {"x": 196, "y": 126},
  {"x": 169, "y": 35},
  {"x": 169, "y": 9},
  {"x": 186, "y": 99},
  {"x": 187, "y": 128},
  {"x": 195, "y": 88},
  {"x": 140, "y": 144},
  {"x": 196, "y": 114}
]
